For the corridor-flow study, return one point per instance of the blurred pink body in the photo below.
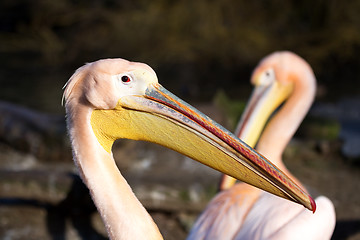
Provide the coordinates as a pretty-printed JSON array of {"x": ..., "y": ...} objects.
[{"x": 245, "y": 212}]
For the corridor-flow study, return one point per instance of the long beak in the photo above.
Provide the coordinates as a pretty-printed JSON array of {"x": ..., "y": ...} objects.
[
  {"x": 163, "y": 118},
  {"x": 264, "y": 100}
]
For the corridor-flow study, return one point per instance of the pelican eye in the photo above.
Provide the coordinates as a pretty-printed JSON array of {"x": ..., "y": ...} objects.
[
  {"x": 125, "y": 79},
  {"x": 267, "y": 77}
]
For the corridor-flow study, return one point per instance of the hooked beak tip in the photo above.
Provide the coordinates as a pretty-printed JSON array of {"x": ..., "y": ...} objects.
[{"x": 313, "y": 205}]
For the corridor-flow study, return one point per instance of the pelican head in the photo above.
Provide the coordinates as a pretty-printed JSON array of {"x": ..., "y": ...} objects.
[
  {"x": 125, "y": 100},
  {"x": 280, "y": 77},
  {"x": 276, "y": 78}
]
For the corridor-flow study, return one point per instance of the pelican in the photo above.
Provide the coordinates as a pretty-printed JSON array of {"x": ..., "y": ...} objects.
[
  {"x": 241, "y": 211},
  {"x": 114, "y": 98}
]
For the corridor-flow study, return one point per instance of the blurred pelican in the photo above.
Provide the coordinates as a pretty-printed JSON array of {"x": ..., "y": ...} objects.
[
  {"x": 244, "y": 212},
  {"x": 114, "y": 98}
]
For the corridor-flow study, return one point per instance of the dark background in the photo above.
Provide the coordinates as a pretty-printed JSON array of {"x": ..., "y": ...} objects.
[{"x": 196, "y": 47}]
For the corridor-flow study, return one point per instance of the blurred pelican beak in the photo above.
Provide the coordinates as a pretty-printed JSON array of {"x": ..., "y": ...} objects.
[
  {"x": 263, "y": 102},
  {"x": 162, "y": 118}
]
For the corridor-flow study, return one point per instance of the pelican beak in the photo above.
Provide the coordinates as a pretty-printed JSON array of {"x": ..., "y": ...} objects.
[
  {"x": 160, "y": 117},
  {"x": 264, "y": 100}
]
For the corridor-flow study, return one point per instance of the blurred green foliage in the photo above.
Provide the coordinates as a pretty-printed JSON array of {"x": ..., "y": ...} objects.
[
  {"x": 195, "y": 46},
  {"x": 159, "y": 31},
  {"x": 231, "y": 108},
  {"x": 319, "y": 129}
]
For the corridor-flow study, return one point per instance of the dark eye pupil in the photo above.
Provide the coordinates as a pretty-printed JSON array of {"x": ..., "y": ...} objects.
[
  {"x": 125, "y": 79},
  {"x": 267, "y": 74}
]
